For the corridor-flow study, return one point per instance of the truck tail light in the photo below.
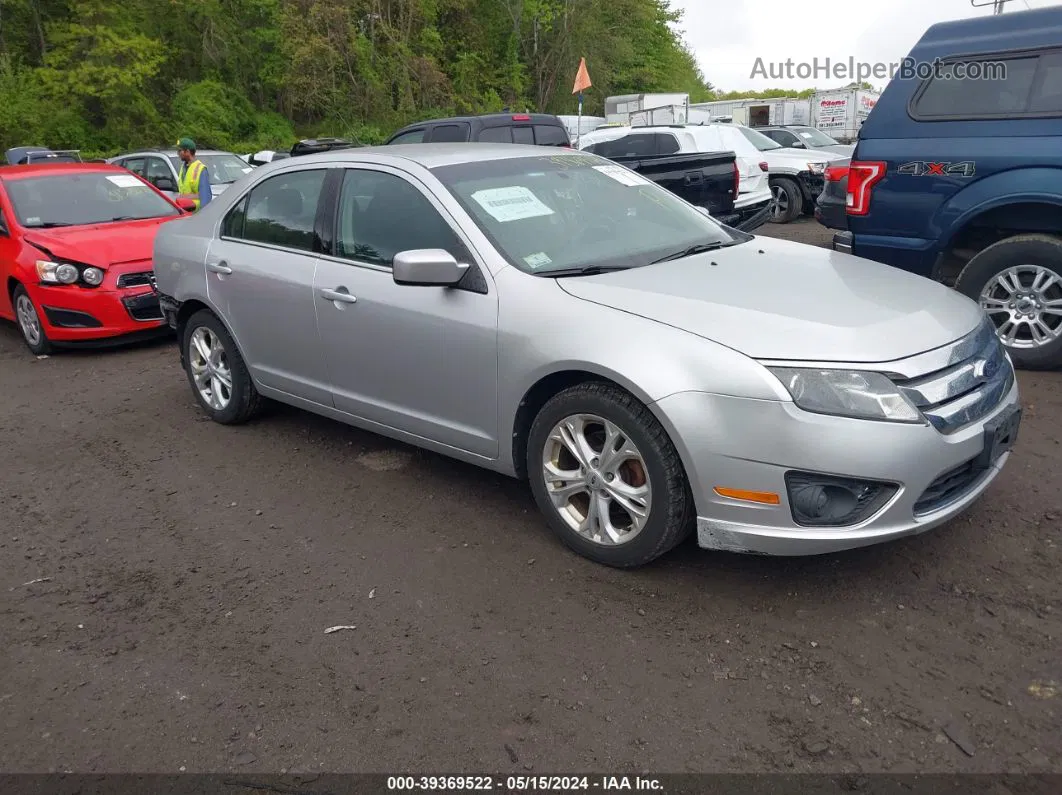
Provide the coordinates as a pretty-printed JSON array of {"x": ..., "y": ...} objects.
[
  {"x": 862, "y": 177},
  {"x": 737, "y": 179},
  {"x": 764, "y": 167},
  {"x": 835, "y": 173},
  {"x": 521, "y": 117}
]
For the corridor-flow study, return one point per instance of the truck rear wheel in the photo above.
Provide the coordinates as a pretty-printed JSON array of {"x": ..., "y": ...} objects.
[{"x": 1018, "y": 283}]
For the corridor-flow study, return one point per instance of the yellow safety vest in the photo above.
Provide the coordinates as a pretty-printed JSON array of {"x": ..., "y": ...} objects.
[{"x": 188, "y": 181}]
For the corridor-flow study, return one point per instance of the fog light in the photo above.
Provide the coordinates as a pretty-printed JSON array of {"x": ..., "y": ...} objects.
[{"x": 827, "y": 501}]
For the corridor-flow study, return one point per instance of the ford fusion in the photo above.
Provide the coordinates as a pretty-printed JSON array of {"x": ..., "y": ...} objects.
[{"x": 555, "y": 317}]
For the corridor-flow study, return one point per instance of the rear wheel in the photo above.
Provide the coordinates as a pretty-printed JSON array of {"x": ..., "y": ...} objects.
[
  {"x": 1018, "y": 283},
  {"x": 787, "y": 202},
  {"x": 217, "y": 372},
  {"x": 607, "y": 477},
  {"x": 29, "y": 322}
]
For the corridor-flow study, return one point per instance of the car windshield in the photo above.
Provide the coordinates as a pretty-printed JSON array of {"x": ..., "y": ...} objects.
[
  {"x": 77, "y": 199},
  {"x": 223, "y": 167},
  {"x": 814, "y": 137},
  {"x": 759, "y": 140},
  {"x": 551, "y": 213}
]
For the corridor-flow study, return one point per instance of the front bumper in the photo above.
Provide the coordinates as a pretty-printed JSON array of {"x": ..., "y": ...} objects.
[
  {"x": 72, "y": 314},
  {"x": 736, "y": 443}
]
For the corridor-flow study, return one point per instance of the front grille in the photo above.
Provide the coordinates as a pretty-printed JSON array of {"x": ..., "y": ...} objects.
[
  {"x": 138, "y": 279},
  {"x": 143, "y": 307},
  {"x": 979, "y": 375},
  {"x": 950, "y": 486}
]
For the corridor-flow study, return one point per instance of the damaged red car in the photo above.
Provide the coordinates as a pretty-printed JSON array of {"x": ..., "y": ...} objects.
[{"x": 75, "y": 254}]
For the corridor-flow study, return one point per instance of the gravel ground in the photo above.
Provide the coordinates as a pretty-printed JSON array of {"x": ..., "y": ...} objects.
[{"x": 167, "y": 582}]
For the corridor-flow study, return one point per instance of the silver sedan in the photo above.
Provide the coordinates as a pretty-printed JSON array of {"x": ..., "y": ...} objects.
[{"x": 555, "y": 317}]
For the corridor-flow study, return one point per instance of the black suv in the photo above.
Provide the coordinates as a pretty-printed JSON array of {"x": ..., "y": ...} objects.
[{"x": 542, "y": 129}]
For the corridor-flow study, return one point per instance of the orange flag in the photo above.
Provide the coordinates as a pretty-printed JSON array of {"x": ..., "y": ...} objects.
[{"x": 582, "y": 78}]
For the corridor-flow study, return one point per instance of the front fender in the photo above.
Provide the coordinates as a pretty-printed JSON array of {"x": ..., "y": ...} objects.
[{"x": 1018, "y": 186}]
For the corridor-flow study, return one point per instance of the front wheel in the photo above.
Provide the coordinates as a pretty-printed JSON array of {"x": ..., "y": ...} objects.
[
  {"x": 29, "y": 323},
  {"x": 787, "y": 202},
  {"x": 607, "y": 477},
  {"x": 217, "y": 372},
  {"x": 1018, "y": 283}
]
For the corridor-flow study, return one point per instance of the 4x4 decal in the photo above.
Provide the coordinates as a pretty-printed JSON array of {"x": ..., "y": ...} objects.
[{"x": 921, "y": 168}]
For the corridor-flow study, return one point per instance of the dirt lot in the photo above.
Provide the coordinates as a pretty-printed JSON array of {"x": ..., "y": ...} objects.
[{"x": 187, "y": 573}]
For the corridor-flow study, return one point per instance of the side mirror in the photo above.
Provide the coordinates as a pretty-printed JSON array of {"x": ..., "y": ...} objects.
[
  {"x": 187, "y": 205},
  {"x": 165, "y": 183},
  {"x": 427, "y": 267},
  {"x": 799, "y": 145}
]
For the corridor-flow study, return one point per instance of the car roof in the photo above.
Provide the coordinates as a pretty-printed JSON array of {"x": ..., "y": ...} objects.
[
  {"x": 58, "y": 169},
  {"x": 171, "y": 152},
  {"x": 433, "y": 155}
]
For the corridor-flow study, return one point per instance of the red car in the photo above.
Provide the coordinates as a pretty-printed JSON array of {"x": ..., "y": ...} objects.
[{"x": 75, "y": 253}]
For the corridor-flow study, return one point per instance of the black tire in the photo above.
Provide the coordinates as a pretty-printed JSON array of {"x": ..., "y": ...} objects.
[
  {"x": 244, "y": 401},
  {"x": 671, "y": 515},
  {"x": 1044, "y": 251},
  {"x": 787, "y": 200},
  {"x": 41, "y": 346}
]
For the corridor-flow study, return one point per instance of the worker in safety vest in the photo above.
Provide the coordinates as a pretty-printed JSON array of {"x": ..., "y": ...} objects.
[{"x": 194, "y": 180}]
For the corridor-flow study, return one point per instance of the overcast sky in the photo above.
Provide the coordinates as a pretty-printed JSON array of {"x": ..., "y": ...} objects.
[{"x": 727, "y": 37}]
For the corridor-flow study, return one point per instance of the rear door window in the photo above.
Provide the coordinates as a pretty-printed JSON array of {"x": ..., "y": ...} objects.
[
  {"x": 496, "y": 135},
  {"x": 449, "y": 133},
  {"x": 281, "y": 210},
  {"x": 1002, "y": 89},
  {"x": 550, "y": 135},
  {"x": 135, "y": 164}
]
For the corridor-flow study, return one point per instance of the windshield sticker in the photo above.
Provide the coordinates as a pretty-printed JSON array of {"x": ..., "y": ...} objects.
[
  {"x": 33, "y": 221},
  {"x": 511, "y": 204},
  {"x": 537, "y": 260},
  {"x": 622, "y": 175},
  {"x": 126, "y": 181}
]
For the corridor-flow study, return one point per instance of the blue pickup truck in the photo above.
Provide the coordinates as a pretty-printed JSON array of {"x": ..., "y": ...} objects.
[{"x": 957, "y": 173}]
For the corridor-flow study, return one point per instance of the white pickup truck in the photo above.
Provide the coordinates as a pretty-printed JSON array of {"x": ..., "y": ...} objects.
[{"x": 796, "y": 175}]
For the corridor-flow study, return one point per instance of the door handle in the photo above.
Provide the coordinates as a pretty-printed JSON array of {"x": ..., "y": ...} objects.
[
  {"x": 218, "y": 267},
  {"x": 340, "y": 294}
]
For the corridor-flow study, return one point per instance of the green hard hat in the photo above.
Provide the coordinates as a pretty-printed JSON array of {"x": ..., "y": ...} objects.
[{"x": 186, "y": 143}]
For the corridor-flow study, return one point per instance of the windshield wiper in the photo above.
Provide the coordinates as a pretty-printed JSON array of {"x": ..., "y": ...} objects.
[
  {"x": 588, "y": 270},
  {"x": 48, "y": 225},
  {"x": 699, "y": 248}
]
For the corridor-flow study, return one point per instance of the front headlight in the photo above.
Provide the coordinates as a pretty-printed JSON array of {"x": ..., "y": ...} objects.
[
  {"x": 817, "y": 168},
  {"x": 847, "y": 393},
  {"x": 68, "y": 273}
]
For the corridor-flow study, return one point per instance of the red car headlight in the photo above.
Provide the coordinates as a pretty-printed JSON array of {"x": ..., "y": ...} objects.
[{"x": 68, "y": 273}]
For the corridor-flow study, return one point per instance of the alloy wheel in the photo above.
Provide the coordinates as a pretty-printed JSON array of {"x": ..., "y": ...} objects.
[
  {"x": 210, "y": 368},
  {"x": 597, "y": 479},
  {"x": 1025, "y": 303},
  {"x": 28, "y": 319},
  {"x": 779, "y": 203}
]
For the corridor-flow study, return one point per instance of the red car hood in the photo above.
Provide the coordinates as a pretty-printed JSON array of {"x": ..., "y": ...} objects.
[{"x": 100, "y": 245}]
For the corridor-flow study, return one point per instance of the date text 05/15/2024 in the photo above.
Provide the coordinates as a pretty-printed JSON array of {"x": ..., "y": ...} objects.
[{"x": 522, "y": 783}]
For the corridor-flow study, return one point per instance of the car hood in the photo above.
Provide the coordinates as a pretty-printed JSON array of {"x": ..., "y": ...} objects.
[
  {"x": 798, "y": 158},
  {"x": 774, "y": 299},
  {"x": 100, "y": 244}
]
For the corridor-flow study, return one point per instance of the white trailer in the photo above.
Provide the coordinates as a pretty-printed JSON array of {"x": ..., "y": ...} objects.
[
  {"x": 841, "y": 112},
  {"x": 650, "y": 108},
  {"x": 754, "y": 112}
]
